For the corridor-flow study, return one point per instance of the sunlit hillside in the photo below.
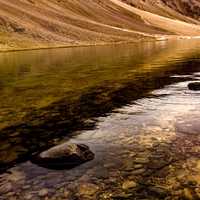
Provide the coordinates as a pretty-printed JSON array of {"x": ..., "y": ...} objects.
[{"x": 49, "y": 23}]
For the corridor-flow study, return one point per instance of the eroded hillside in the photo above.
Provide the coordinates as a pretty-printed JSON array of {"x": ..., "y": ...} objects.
[
  {"x": 49, "y": 23},
  {"x": 190, "y": 8},
  {"x": 185, "y": 10}
]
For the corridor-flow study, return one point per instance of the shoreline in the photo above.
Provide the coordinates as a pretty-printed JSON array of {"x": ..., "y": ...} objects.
[{"x": 155, "y": 39}]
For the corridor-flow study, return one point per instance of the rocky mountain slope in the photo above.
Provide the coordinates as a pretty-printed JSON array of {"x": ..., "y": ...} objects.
[
  {"x": 185, "y": 10},
  {"x": 49, "y": 23},
  {"x": 190, "y": 8}
]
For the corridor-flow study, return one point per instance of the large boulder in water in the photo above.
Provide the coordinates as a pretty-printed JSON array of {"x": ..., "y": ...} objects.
[
  {"x": 194, "y": 86},
  {"x": 64, "y": 156}
]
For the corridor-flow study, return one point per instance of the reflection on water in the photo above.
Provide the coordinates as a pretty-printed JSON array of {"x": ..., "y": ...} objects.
[
  {"x": 36, "y": 79},
  {"x": 46, "y": 94},
  {"x": 139, "y": 120}
]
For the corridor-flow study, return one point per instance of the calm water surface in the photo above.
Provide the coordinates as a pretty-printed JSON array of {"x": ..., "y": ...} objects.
[{"x": 129, "y": 103}]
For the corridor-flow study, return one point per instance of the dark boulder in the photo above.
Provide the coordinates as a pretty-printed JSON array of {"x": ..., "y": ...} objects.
[
  {"x": 194, "y": 86},
  {"x": 64, "y": 156}
]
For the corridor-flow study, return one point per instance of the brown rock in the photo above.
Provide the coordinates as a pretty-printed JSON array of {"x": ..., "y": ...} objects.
[
  {"x": 5, "y": 188},
  {"x": 88, "y": 189},
  {"x": 187, "y": 194},
  {"x": 128, "y": 184},
  {"x": 66, "y": 155},
  {"x": 43, "y": 192}
]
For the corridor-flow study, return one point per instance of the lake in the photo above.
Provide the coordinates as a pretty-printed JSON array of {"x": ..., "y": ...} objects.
[{"x": 129, "y": 103}]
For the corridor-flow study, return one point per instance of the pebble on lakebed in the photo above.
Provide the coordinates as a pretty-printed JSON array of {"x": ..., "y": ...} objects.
[
  {"x": 88, "y": 189},
  {"x": 43, "y": 192},
  {"x": 64, "y": 156},
  {"x": 128, "y": 184}
]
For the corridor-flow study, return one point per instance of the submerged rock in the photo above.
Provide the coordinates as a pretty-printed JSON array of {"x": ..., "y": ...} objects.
[
  {"x": 194, "y": 86},
  {"x": 88, "y": 189},
  {"x": 64, "y": 156},
  {"x": 138, "y": 171},
  {"x": 43, "y": 192},
  {"x": 5, "y": 188},
  {"x": 187, "y": 194},
  {"x": 128, "y": 184},
  {"x": 123, "y": 196},
  {"x": 158, "y": 191},
  {"x": 141, "y": 160}
]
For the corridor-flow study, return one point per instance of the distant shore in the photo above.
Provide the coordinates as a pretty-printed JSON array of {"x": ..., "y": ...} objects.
[
  {"x": 153, "y": 39},
  {"x": 82, "y": 45}
]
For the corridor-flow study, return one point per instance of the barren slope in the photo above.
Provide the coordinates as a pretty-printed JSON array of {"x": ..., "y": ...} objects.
[
  {"x": 190, "y": 8},
  {"x": 185, "y": 10},
  {"x": 48, "y": 23}
]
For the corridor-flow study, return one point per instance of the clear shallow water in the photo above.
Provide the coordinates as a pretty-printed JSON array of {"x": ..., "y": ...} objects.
[{"x": 142, "y": 90}]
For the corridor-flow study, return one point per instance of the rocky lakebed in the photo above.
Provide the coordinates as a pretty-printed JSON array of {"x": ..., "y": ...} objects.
[{"x": 149, "y": 149}]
